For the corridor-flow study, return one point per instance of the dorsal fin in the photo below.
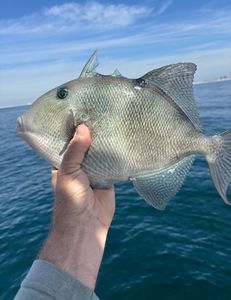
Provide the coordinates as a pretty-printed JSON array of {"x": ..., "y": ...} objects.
[
  {"x": 176, "y": 81},
  {"x": 116, "y": 73},
  {"x": 91, "y": 65}
]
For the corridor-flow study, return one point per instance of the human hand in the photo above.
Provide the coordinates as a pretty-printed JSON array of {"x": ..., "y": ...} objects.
[
  {"x": 73, "y": 193},
  {"x": 82, "y": 215}
]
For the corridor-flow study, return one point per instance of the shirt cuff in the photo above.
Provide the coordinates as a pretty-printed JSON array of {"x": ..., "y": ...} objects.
[{"x": 47, "y": 281}]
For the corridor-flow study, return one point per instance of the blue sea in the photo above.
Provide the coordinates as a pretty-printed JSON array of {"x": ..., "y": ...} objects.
[{"x": 181, "y": 253}]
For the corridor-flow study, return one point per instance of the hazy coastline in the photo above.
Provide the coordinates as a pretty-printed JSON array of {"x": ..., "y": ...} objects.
[{"x": 213, "y": 81}]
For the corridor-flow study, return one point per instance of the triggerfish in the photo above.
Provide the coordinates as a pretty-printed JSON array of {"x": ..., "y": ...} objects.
[{"x": 146, "y": 130}]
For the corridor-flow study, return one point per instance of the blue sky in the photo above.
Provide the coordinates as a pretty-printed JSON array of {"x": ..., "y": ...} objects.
[{"x": 45, "y": 43}]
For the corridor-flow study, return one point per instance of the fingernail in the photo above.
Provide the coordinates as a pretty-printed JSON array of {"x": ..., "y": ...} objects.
[{"x": 81, "y": 130}]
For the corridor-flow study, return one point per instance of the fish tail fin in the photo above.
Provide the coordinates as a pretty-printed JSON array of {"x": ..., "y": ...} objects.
[{"x": 219, "y": 160}]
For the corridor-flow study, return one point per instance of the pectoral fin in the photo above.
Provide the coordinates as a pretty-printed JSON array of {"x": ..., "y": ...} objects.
[{"x": 159, "y": 187}]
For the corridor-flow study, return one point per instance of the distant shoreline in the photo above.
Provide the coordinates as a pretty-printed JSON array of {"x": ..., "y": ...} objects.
[
  {"x": 12, "y": 106},
  {"x": 212, "y": 81}
]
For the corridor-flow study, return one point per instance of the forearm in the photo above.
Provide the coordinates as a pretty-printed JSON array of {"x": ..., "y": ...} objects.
[
  {"x": 77, "y": 250},
  {"x": 68, "y": 263}
]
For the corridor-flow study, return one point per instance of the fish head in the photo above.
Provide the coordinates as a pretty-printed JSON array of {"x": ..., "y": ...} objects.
[{"x": 48, "y": 125}]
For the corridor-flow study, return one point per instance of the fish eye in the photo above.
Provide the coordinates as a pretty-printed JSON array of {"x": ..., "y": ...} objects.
[{"x": 62, "y": 93}]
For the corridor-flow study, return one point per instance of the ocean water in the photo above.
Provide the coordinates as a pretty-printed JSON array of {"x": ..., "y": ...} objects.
[{"x": 181, "y": 253}]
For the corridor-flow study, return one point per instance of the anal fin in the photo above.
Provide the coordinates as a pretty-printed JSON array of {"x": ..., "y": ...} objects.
[{"x": 158, "y": 188}]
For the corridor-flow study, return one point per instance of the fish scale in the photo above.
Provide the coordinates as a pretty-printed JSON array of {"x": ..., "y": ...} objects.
[
  {"x": 146, "y": 130},
  {"x": 121, "y": 136}
]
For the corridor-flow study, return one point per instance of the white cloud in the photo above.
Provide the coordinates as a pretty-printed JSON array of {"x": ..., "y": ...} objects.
[
  {"x": 75, "y": 16},
  {"x": 103, "y": 17},
  {"x": 98, "y": 14},
  {"x": 164, "y": 6},
  {"x": 211, "y": 30}
]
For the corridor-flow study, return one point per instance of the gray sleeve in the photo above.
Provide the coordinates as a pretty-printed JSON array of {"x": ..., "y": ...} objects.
[{"x": 45, "y": 281}]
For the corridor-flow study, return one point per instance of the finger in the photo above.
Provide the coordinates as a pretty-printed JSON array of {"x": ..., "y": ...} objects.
[{"x": 76, "y": 150}]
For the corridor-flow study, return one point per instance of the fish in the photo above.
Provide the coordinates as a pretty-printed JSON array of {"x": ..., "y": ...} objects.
[{"x": 146, "y": 130}]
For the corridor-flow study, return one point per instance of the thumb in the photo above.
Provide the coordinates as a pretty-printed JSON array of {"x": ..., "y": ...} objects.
[{"x": 76, "y": 150}]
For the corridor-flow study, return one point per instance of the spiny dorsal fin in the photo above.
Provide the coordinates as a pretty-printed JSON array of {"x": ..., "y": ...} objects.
[
  {"x": 91, "y": 65},
  {"x": 116, "y": 73},
  {"x": 176, "y": 81}
]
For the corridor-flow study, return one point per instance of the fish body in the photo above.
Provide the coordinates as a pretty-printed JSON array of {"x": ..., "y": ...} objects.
[{"x": 146, "y": 130}]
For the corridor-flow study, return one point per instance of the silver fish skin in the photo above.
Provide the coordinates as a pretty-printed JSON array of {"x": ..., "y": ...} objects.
[{"x": 146, "y": 130}]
